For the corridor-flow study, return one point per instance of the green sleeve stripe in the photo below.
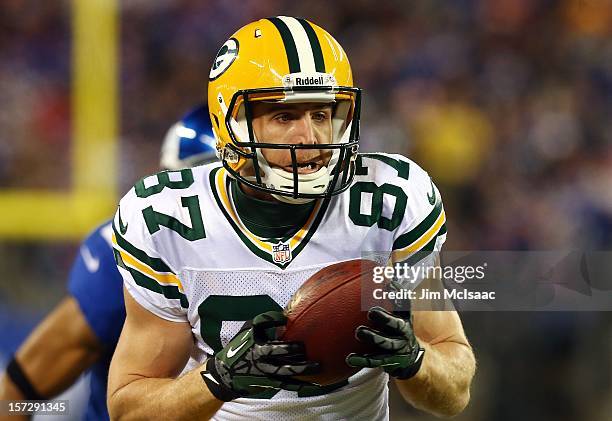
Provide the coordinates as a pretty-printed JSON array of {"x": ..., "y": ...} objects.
[
  {"x": 154, "y": 263},
  {"x": 414, "y": 234},
  {"x": 425, "y": 251},
  {"x": 442, "y": 230},
  {"x": 168, "y": 291}
]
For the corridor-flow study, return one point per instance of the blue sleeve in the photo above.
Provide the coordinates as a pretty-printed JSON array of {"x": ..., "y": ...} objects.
[{"x": 97, "y": 285}]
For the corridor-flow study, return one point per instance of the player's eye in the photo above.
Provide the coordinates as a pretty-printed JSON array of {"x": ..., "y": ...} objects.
[
  {"x": 320, "y": 116},
  {"x": 282, "y": 117}
]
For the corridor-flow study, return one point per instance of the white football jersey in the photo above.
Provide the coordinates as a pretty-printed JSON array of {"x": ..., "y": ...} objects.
[{"x": 186, "y": 256}]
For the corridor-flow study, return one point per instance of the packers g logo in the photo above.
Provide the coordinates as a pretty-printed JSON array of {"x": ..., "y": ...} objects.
[{"x": 225, "y": 57}]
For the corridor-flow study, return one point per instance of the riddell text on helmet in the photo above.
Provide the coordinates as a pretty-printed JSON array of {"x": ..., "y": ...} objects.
[{"x": 309, "y": 81}]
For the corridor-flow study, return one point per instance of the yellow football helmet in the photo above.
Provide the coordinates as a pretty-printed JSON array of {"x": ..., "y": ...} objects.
[{"x": 283, "y": 59}]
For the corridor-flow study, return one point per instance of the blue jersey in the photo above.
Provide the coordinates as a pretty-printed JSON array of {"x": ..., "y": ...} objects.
[{"x": 97, "y": 286}]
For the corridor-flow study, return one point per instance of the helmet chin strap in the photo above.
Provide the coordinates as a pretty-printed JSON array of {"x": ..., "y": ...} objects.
[{"x": 280, "y": 179}]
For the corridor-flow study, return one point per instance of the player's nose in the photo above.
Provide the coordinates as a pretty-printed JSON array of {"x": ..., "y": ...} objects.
[{"x": 305, "y": 131}]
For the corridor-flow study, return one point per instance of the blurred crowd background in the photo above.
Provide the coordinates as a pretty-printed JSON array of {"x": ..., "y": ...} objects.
[{"x": 507, "y": 104}]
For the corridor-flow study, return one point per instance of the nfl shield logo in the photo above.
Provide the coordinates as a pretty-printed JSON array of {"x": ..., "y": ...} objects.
[{"x": 281, "y": 253}]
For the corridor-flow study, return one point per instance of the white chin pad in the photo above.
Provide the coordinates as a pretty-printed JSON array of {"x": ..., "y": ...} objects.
[{"x": 315, "y": 182}]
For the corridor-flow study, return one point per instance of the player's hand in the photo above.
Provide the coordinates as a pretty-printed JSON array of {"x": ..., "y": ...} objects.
[
  {"x": 254, "y": 361},
  {"x": 400, "y": 353}
]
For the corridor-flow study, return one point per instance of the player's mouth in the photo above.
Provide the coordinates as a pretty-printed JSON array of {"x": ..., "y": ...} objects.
[{"x": 307, "y": 167}]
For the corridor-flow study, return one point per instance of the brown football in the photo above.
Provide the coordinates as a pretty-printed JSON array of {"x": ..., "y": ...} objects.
[{"x": 324, "y": 313}]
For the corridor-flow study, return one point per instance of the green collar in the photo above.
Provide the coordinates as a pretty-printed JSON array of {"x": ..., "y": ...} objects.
[{"x": 270, "y": 219}]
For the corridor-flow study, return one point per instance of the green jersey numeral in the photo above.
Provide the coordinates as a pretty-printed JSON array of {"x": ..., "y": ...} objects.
[
  {"x": 196, "y": 232},
  {"x": 402, "y": 167},
  {"x": 374, "y": 214},
  {"x": 163, "y": 180},
  {"x": 218, "y": 308},
  {"x": 155, "y": 220}
]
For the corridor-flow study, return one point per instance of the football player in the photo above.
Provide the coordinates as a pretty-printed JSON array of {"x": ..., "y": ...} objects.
[
  {"x": 82, "y": 331},
  {"x": 211, "y": 255}
]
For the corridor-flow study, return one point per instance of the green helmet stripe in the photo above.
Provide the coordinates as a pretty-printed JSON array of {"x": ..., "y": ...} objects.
[
  {"x": 314, "y": 44},
  {"x": 290, "y": 48}
]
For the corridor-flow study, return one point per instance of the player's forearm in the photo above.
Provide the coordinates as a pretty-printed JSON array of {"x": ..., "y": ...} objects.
[
  {"x": 184, "y": 398},
  {"x": 442, "y": 385},
  {"x": 57, "y": 368},
  {"x": 59, "y": 350}
]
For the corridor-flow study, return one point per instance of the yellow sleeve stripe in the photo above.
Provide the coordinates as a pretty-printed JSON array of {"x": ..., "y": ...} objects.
[{"x": 161, "y": 278}]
